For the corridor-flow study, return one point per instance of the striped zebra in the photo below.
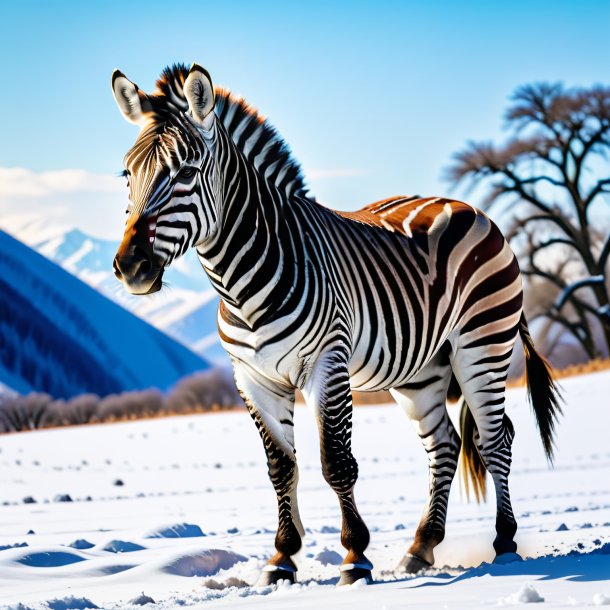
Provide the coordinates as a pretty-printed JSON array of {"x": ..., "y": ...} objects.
[{"x": 417, "y": 296}]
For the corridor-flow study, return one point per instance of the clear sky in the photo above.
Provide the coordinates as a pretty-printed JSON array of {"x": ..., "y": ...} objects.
[{"x": 373, "y": 97}]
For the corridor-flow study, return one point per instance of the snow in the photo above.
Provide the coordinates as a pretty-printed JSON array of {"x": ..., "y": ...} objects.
[
  {"x": 206, "y": 475},
  {"x": 175, "y": 530},
  {"x": 525, "y": 595}
]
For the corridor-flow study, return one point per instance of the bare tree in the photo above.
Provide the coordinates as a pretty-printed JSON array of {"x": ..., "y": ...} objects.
[{"x": 555, "y": 166}]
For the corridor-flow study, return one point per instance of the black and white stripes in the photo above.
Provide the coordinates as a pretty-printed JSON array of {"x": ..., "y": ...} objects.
[{"x": 401, "y": 295}]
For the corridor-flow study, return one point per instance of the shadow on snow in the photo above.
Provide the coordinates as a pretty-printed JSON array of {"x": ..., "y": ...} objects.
[{"x": 575, "y": 565}]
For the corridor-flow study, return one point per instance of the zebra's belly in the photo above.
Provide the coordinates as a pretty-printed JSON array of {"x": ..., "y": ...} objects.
[{"x": 387, "y": 353}]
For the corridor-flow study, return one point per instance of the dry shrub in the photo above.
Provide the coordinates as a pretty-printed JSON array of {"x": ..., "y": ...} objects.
[{"x": 202, "y": 392}]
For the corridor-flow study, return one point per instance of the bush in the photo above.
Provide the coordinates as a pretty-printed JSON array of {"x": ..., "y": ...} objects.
[{"x": 207, "y": 391}]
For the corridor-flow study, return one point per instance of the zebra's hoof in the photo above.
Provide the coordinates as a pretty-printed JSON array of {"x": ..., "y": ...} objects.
[
  {"x": 412, "y": 564},
  {"x": 505, "y": 558},
  {"x": 272, "y": 574},
  {"x": 353, "y": 572}
]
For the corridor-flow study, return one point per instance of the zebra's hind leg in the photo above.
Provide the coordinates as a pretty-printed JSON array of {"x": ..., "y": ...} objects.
[
  {"x": 272, "y": 409},
  {"x": 423, "y": 399},
  {"x": 327, "y": 392},
  {"x": 481, "y": 373}
]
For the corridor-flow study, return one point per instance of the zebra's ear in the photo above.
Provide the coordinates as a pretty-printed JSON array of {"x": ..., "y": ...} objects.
[
  {"x": 132, "y": 102},
  {"x": 199, "y": 93}
]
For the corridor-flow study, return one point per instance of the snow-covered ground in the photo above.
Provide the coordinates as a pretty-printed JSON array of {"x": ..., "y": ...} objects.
[{"x": 143, "y": 494}]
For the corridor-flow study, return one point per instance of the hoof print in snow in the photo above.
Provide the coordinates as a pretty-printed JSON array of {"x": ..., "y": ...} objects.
[
  {"x": 142, "y": 600},
  {"x": 176, "y": 530},
  {"x": 29, "y": 500},
  {"x": 562, "y": 528},
  {"x": 118, "y": 483}
]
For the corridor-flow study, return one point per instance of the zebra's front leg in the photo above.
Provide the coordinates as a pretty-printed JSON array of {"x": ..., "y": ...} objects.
[
  {"x": 272, "y": 408},
  {"x": 327, "y": 392}
]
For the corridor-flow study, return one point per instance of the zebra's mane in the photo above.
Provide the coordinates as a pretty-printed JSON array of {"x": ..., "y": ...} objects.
[{"x": 259, "y": 141}]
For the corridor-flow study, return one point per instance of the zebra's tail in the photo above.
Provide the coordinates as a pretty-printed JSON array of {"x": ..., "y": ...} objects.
[
  {"x": 544, "y": 397},
  {"x": 471, "y": 463},
  {"x": 543, "y": 393}
]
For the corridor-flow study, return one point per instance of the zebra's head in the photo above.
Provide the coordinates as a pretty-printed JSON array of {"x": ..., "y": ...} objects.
[{"x": 170, "y": 174}]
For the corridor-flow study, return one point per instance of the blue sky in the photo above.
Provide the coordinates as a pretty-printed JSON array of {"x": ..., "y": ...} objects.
[{"x": 372, "y": 97}]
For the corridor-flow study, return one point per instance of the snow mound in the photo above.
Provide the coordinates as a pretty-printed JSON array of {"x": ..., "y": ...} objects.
[
  {"x": 525, "y": 595},
  {"x": 81, "y": 544},
  {"x": 599, "y": 599},
  {"x": 18, "y": 606},
  {"x": 142, "y": 600},
  {"x": 122, "y": 546},
  {"x": 71, "y": 603},
  {"x": 176, "y": 530},
  {"x": 204, "y": 563},
  {"x": 16, "y": 545},
  {"x": 328, "y": 557}
]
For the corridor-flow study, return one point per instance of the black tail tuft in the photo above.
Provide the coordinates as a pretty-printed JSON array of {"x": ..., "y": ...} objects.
[
  {"x": 543, "y": 393},
  {"x": 472, "y": 466}
]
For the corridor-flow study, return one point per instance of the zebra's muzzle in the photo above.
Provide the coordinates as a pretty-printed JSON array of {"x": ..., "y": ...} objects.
[{"x": 137, "y": 271}]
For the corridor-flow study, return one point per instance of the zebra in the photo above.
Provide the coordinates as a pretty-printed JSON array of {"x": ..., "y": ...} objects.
[{"x": 418, "y": 296}]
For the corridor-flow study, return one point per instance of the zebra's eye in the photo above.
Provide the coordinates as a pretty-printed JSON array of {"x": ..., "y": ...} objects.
[{"x": 187, "y": 171}]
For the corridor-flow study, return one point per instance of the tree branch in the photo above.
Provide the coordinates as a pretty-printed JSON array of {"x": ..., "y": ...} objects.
[
  {"x": 603, "y": 256},
  {"x": 596, "y": 190}
]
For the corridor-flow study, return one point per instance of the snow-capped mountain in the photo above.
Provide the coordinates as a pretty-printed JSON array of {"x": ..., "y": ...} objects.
[
  {"x": 185, "y": 309},
  {"x": 60, "y": 336}
]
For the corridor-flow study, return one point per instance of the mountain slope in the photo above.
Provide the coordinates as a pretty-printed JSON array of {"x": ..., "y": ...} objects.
[
  {"x": 60, "y": 336},
  {"x": 185, "y": 309}
]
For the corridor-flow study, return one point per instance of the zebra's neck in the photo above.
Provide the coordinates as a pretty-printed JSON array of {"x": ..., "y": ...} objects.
[{"x": 251, "y": 259}]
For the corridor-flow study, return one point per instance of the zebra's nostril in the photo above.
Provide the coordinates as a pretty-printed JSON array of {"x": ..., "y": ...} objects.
[
  {"x": 135, "y": 266},
  {"x": 143, "y": 262}
]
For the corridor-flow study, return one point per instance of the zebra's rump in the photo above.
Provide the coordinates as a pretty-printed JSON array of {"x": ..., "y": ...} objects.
[{"x": 434, "y": 269}]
